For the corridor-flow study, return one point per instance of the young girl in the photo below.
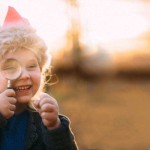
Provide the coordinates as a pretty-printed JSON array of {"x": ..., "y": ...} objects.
[{"x": 21, "y": 128}]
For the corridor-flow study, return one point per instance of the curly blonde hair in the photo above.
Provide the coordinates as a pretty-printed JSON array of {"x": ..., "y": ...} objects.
[
  {"x": 20, "y": 36},
  {"x": 15, "y": 37}
]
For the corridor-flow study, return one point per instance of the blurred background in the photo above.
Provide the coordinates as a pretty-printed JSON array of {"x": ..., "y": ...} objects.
[{"x": 100, "y": 67}]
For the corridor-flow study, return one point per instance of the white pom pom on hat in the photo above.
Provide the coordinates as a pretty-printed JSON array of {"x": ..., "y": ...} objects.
[{"x": 9, "y": 15}]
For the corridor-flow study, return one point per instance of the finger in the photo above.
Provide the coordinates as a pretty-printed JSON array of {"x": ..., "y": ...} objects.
[
  {"x": 46, "y": 122},
  {"x": 52, "y": 123},
  {"x": 48, "y": 100},
  {"x": 46, "y": 96},
  {"x": 49, "y": 115},
  {"x": 12, "y": 107},
  {"x": 36, "y": 103},
  {"x": 44, "y": 101},
  {"x": 12, "y": 100},
  {"x": 43, "y": 95},
  {"x": 9, "y": 114},
  {"x": 47, "y": 107},
  {"x": 10, "y": 93}
]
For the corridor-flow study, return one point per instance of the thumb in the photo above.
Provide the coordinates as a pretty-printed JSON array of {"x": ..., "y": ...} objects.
[{"x": 36, "y": 104}]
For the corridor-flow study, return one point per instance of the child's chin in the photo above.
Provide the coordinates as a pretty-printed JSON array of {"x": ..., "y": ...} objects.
[{"x": 24, "y": 99}]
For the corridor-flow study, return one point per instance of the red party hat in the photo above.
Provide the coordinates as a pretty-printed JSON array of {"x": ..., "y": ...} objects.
[{"x": 11, "y": 16}]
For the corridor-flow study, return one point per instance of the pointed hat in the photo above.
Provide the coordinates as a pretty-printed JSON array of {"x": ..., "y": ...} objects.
[{"x": 9, "y": 15}]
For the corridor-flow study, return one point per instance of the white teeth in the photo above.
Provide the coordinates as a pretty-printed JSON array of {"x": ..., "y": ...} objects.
[{"x": 22, "y": 87}]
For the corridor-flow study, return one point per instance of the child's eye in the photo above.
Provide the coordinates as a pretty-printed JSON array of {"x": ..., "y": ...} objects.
[
  {"x": 9, "y": 68},
  {"x": 32, "y": 66}
]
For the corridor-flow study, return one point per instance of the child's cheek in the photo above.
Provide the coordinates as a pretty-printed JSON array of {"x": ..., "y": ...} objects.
[{"x": 36, "y": 78}]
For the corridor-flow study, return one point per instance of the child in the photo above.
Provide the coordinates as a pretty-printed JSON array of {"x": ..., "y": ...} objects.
[{"x": 21, "y": 128}]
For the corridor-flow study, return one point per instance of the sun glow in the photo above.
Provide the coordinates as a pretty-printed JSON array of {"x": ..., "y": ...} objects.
[
  {"x": 107, "y": 21},
  {"x": 47, "y": 16},
  {"x": 101, "y": 21}
]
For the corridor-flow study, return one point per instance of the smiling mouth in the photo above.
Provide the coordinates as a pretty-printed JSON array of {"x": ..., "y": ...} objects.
[{"x": 22, "y": 88}]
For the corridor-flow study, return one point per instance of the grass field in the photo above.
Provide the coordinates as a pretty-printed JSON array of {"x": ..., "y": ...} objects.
[{"x": 106, "y": 114}]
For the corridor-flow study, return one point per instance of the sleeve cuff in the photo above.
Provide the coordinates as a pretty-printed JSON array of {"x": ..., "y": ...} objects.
[{"x": 59, "y": 137}]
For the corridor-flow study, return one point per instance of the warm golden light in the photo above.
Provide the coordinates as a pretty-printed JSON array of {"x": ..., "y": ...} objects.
[
  {"x": 102, "y": 22},
  {"x": 47, "y": 16},
  {"x": 107, "y": 21}
]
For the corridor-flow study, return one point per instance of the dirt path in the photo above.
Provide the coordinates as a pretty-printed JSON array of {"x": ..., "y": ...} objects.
[{"x": 106, "y": 114}]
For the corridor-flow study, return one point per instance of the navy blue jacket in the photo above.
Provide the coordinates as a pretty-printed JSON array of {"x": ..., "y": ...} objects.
[{"x": 39, "y": 138}]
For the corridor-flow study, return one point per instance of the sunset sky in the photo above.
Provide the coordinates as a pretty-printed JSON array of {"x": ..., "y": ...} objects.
[{"x": 104, "y": 22}]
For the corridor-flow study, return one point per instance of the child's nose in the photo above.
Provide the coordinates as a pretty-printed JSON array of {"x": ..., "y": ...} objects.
[{"x": 24, "y": 73}]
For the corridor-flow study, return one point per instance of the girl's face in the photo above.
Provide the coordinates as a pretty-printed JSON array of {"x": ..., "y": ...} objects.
[{"x": 28, "y": 83}]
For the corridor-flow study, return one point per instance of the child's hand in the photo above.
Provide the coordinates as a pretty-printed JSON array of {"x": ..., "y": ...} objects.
[
  {"x": 7, "y": 103},
  {"x": 48, "y": 110}
]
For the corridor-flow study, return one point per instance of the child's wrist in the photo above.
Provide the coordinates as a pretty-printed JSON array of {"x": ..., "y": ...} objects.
[{"x": 55, "y": 125}]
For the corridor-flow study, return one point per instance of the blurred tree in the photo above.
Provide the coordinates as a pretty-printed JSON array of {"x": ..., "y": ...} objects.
[{"x": 74, "y": 31}]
